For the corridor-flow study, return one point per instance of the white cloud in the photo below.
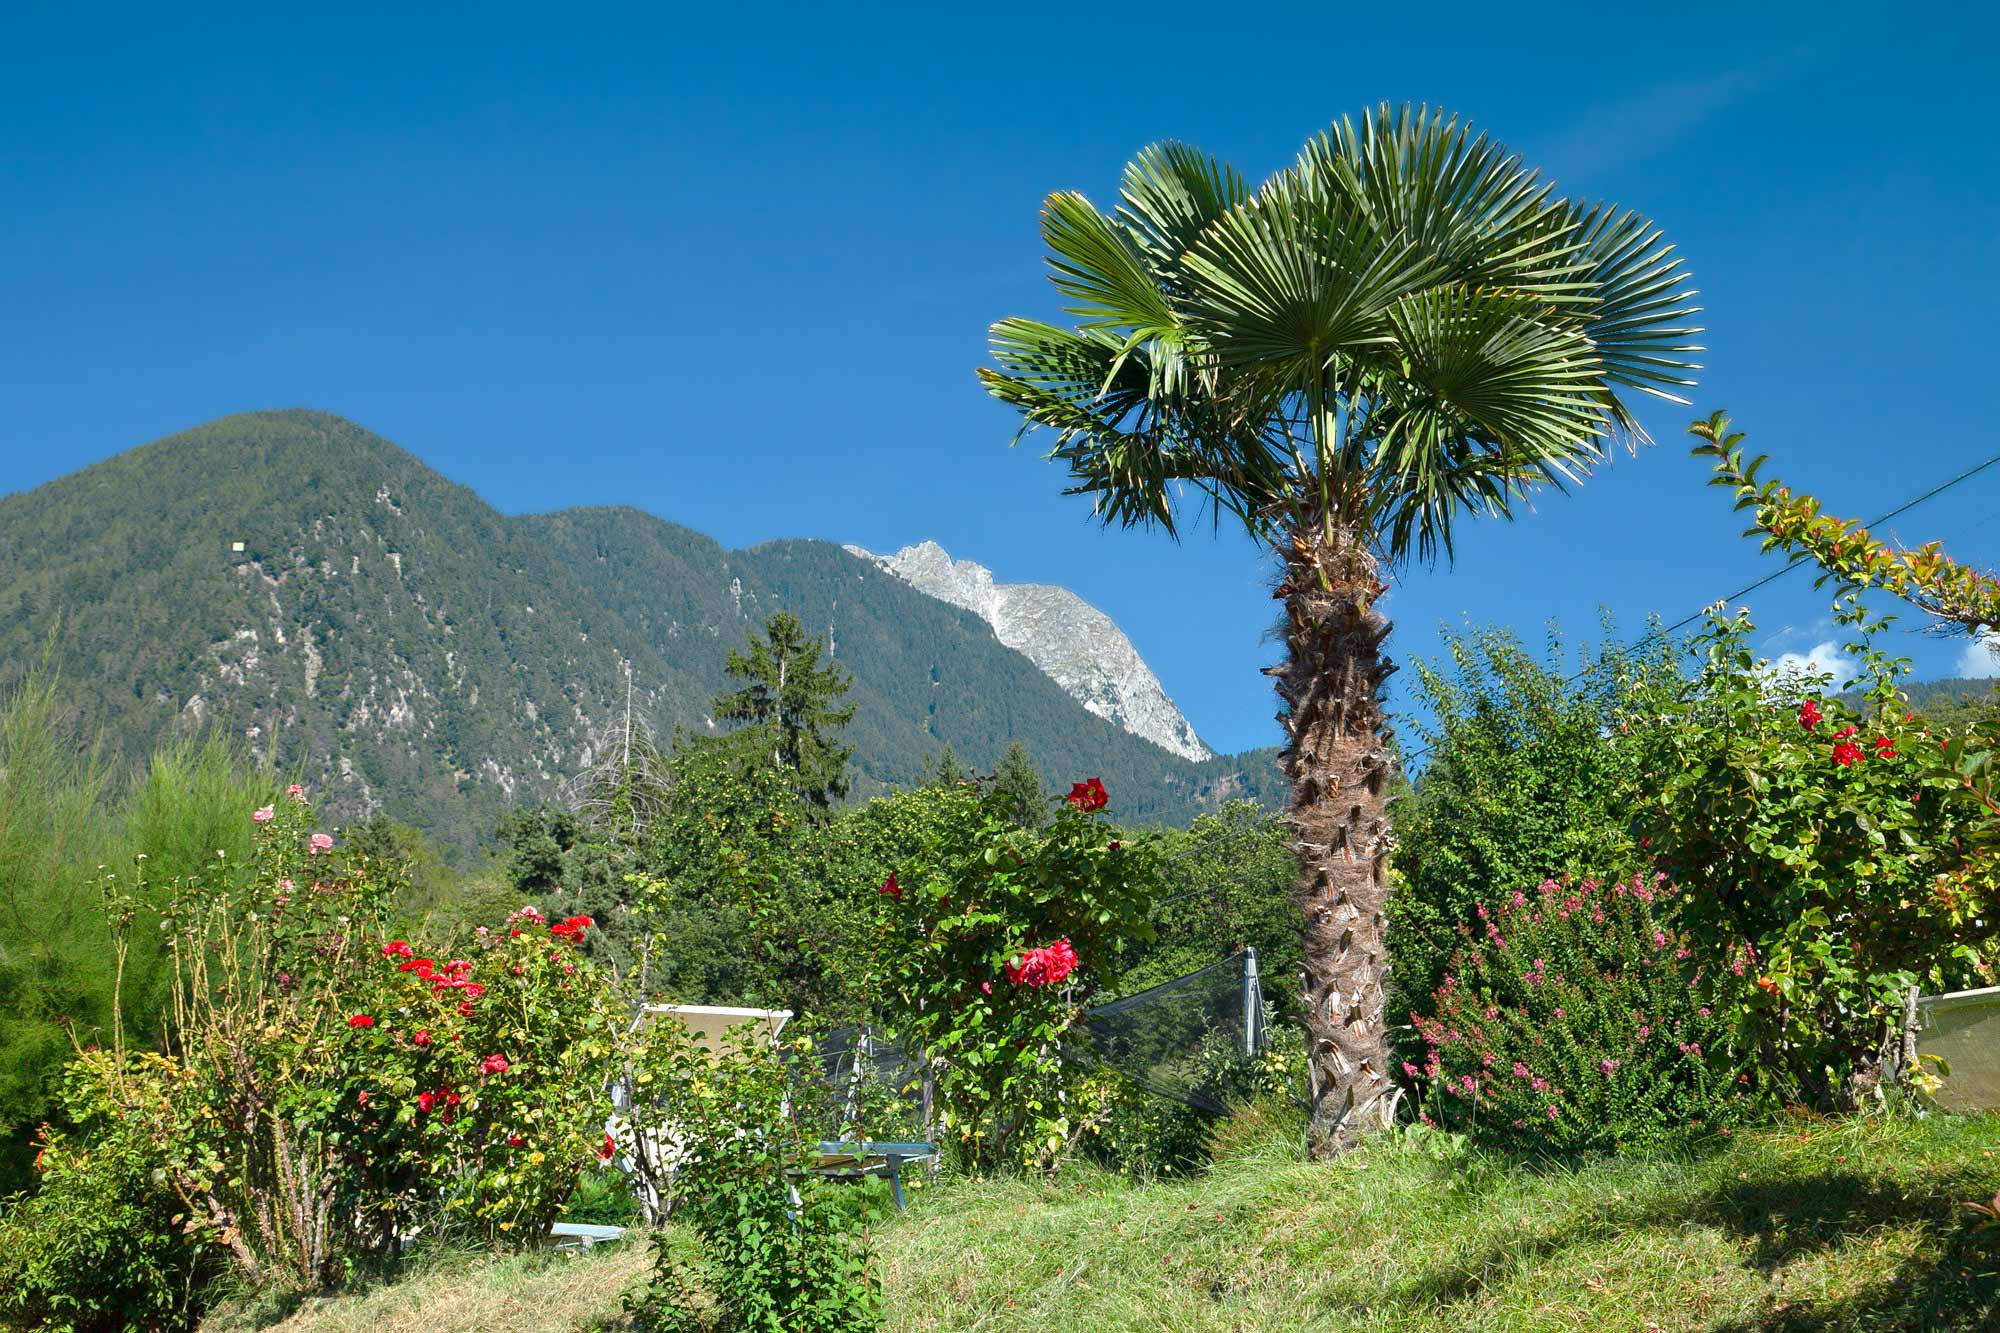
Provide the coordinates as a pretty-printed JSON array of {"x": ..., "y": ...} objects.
[
  {"x": 1981, "y": 658},
  {"x": 1822, "y": 659}
]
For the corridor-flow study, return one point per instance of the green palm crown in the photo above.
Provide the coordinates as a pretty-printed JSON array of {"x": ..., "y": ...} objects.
[{"x": 1404, "y": 326}]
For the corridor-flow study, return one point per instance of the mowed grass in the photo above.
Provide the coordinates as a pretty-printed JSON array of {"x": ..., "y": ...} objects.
[
  {"x": 465, "y": 1293},
  {"x": 1809, "y": 1225},
  {"x": 1812, "y": 1225}
]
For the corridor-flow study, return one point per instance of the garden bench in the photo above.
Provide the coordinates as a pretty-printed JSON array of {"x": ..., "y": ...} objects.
[
  {"x": 853, "y": 1161},
  {"x": 581, "y": 1235}
]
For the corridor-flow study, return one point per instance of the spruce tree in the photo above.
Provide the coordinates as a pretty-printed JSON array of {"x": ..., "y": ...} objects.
[
  {"x": 943, "y": 769},
  {"x": 788, "y": 703},
  {"x": 1017, "y": 780}
]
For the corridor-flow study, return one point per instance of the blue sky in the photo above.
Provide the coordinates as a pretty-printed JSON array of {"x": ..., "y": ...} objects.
[{"x": 737, "y": 267}]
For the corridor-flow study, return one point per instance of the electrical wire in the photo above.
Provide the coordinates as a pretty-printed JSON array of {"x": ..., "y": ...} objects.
[{"x": 1770, "y": 578}]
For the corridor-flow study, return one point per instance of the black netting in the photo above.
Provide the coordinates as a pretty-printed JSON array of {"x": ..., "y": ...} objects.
[
  {"x": 874, "y": 1087},
  {"x": 1192, "y": 1039}
]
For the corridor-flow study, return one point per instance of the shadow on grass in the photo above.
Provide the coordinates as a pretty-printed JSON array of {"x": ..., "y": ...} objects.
[{"x": 1952, "y": 1283}]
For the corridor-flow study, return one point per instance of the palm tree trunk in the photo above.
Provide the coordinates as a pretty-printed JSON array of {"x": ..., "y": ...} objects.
[{"x": 1339, "y": 761}]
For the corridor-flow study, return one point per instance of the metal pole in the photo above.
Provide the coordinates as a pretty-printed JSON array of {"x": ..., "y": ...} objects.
[{"x": 1253, "y": 1004}]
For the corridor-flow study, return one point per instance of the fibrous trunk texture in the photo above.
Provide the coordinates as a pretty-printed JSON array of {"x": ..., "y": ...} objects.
[{"x": 1338, "y": 758}]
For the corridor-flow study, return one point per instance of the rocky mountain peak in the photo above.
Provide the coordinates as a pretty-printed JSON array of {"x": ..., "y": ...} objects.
[{"x": 1071, "y": 641}]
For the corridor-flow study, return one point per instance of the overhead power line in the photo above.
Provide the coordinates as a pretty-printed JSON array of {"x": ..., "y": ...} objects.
[{"x": 1665, "y": 632}]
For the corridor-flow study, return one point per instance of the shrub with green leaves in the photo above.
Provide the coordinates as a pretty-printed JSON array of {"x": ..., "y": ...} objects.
[
  {"x": 98, "y": 1248},
  {"x": 332, "y": 1089},
  {"x": 991, "y": 941},
  {"x": 1527, "y": 774},
  {"x": 776, "y": 1251},
  {"x": 1833, "y": 856},
  {"x": 479, "y": 1085},
  {"x": 1573, "y": 1018},
  {"x": 1139, "y": 1132}
]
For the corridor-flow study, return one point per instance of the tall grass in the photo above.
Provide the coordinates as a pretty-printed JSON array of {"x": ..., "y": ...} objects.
[
  {"x": 66, "y": 822},
  {"x": 53, "y": 837}
]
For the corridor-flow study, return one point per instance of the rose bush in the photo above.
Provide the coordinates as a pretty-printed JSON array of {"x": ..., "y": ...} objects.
[
  {"x": 333, "y": 1086},
  {"x": 991, "y": 940},
  {"x": 1832, "y": 854},
  {"x": 481, "y": 1084}
]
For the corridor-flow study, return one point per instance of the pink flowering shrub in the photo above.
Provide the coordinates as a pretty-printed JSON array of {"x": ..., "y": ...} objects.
[{"x": 1571, "y": 1017}]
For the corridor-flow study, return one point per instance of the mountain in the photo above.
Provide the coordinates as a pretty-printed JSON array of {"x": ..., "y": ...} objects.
[
  {"x": 305, "y": 585},
  {"x": 1075, "y": 644}
]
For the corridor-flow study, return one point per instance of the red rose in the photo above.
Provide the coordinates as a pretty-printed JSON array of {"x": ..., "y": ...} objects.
[
  {"x": 1844, "y": 733},
  {"x": 361, "y": 1021},
  {"x": 465, "y": 1008},
  {"x": 493, "y": 1064},
  {"x": 1088, "y": 796},
  {"x": 516, "y": 1141},
  {"x": 1846, "y": 754},
  {"x": 423, "y": 1037},
  {"x": 891, "y": 887},
  {"x": 1045, "y": 966},
  {"x": 608, "y": 1151},
  {"x": 1809, "y": 716},
  {"x": 426, "y": 1100},
  {"x": 1884, "y": 748}
]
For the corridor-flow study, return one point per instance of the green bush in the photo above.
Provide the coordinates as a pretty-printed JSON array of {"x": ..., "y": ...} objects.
[
  {"x": 1574, "y": 1019},
  {"x": 1141, "y": 1133},
  {"x": 1527, "y": 774},
  {"x": 990, "y": 943},
  {"x": 775, "y": 1252},
  {"x": 1833, "y": 857},
  {"x": 603, "y": 1198},
  {"x": 98, "y": 1248}
]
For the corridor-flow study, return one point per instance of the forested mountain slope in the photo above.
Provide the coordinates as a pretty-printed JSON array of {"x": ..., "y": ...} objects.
[{"x": 316, "y": 591}]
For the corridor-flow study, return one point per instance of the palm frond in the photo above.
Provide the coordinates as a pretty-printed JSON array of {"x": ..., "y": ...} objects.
[
  {"x": 1488, "y": 398},
  {"x": 1125, "y": 447},
  {"x": 1171, "y": 194},
  {"x": 1463, "y": 200},
  {"x": 1641, "y": 317},
  {"x": 1289, "y": 283}
]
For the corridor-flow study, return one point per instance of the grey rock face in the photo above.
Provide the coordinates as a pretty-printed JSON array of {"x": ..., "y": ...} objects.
[{"x": 1074, "y": 644}]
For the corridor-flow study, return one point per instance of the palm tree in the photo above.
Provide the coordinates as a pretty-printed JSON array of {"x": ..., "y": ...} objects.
[{"x": 1405, "y": 327}]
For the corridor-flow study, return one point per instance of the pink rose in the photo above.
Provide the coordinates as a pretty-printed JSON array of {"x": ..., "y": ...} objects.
[{"x": 263, "y": 815}]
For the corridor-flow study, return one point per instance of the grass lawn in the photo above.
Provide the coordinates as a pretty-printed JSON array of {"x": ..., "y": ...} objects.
[{"x": 1807, "y": 1225}]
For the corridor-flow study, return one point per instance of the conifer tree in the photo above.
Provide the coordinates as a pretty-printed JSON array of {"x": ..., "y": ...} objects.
[
  {"x": 788, "y": 702},
  {"x": 1017, "y": 780},
  {"x": 943, "y": 769}
]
